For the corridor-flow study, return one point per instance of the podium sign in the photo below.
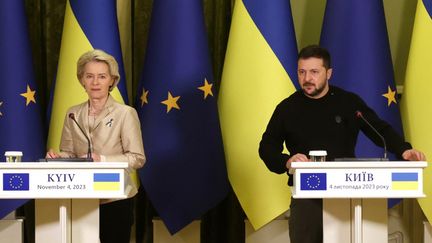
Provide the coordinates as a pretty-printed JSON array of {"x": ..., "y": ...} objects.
[
  {"x": 67, "y": 194},
  {"x": 354, "y": 195},
  {"x": 358, "y": 179},
  {"x": 62, "y": 180}
]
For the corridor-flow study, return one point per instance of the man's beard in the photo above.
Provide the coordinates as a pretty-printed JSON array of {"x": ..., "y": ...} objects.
[{"x": 316, "y": 92}]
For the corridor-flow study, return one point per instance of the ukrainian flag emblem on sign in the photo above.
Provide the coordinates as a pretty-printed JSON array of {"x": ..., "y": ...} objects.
[
  {"x": 404, "y": 181},
  {"x": 106, "y": 181}
]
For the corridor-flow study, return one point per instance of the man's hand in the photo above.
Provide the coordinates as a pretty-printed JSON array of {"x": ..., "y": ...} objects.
[
  {"x": 413, "y": 155},
  {"x": 296, "y": 158}
]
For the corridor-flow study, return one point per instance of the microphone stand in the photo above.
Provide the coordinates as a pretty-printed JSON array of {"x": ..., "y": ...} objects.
[
  {"x": 360, "y": 115},
  {"x": 89, "y": 154}
]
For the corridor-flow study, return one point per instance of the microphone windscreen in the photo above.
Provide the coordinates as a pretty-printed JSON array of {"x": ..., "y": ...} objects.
[{"x": 358, "y": 114}]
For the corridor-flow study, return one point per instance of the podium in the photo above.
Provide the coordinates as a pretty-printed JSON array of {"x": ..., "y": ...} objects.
[
  {"x": 355, "y": 195},
  {"x": 67, "y": 195}
]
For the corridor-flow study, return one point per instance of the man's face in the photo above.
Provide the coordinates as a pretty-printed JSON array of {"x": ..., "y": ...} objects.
[{"x": 313, "y": 77}]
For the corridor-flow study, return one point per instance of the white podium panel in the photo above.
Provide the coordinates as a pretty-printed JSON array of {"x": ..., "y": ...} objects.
[
  {"x": 62, "y": 180},
  {"x": 66, "y": 193},
  {"x": 354, "y": 195},
  {"x": 427, "y": 232},
  {"x": 11, "y": 230},
  {"x": 358, "y": 179}
]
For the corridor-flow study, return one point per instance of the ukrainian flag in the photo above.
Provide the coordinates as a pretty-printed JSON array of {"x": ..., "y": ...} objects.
[
  {"x": 259, "y": 72},
  {"x": 415, "y": 106},
  {"x": 106, "y": 181},
  {"x": 88, "y": 25},
  {"x": 404, "y": 181}
]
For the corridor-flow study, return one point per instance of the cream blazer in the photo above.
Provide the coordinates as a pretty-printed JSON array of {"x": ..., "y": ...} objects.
[{"x": 115, "y": 135}]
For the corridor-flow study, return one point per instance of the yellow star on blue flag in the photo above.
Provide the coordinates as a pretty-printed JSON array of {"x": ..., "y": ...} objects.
[
  {"x": 185, "y": 173},
  {"x": 206, "y": 88},
  {"x": 171, "y": 102},
  {"x": 20, "y": 126},
  {"x": 390, "y": 95},
  {"x": 143, "y": 97},
  {"x": 29, "y": 95}
]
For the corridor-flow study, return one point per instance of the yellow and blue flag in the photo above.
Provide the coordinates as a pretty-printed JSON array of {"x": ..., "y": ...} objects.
[
  {"x": 88, "y": 25},
  {"x": 185, "y": 173},
  {"x": 259, "y": 72},
  {"x": 404, "y": 180},
  {"x": 106, "y": 181},
  {"x": 362, "y": 63},
  {"x": 20, "y": 115},
  {"x": 415, "y": 105}
]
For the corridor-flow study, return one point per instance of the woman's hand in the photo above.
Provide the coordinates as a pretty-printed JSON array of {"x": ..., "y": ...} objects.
[
  {"x": 96, "y": 157},
  {"x": 51, "y": 154}
]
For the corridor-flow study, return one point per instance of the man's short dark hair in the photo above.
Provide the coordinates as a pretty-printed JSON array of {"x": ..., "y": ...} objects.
[{"x": 317, "y": 52}]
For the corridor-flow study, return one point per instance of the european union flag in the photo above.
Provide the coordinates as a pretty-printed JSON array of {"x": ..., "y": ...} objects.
[
  {"x": 20, "y": 118},
  {"x": 361, "y": 60},
  {"x": 15, "y": 181},
  {"x": 185, "y": 173},
  {"x": 313, "y": 181}
]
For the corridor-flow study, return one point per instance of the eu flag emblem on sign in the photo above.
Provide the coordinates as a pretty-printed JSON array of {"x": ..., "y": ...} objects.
[
  {"x": 16, "y": 182},
  {"x": 313, "y": 181}
]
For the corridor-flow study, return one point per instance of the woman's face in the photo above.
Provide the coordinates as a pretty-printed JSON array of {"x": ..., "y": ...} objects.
[{"x": 97, "y": 79}]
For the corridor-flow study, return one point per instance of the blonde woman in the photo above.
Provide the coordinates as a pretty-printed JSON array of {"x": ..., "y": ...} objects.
[{"x": 114, "y": 132}]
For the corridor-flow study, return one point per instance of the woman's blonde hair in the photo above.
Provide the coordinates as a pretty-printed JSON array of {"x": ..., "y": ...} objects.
[{"x": 99, "y": 56}]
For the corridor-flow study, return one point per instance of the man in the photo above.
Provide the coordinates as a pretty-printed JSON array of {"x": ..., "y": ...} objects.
[{"x": 320, "y": 117}]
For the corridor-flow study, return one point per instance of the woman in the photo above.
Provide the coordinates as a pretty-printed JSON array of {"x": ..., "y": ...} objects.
[{"x": 114, "y": 133}]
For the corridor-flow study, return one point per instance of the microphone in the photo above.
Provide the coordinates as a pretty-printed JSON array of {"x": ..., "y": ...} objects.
[
  {"x": 360, "y": 115},
  {"x": 89, "y": 154}
]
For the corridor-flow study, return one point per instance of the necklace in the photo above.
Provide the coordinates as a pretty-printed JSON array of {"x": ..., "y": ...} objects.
[
  {"x": 92, "y": 123},
  {"x": 94, "y": 112},
  {"x": 96, "y": 107}
]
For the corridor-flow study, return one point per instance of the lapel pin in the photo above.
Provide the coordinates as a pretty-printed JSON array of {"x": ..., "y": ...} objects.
[{"x": 109, "y": 123}]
